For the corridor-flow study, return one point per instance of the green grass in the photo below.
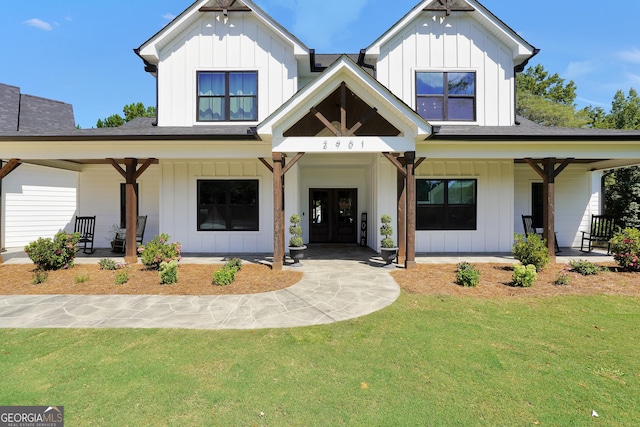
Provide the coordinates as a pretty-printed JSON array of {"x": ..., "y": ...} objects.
[{"x": 424, "y": 361}]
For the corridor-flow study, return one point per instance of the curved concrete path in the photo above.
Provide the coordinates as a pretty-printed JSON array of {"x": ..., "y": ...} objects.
[{"x": 330, "y": 291}]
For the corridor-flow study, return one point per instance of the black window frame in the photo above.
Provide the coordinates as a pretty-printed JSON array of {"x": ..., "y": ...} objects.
[
  {"x": 446, "y": 96},
  {"x": 230, "y": 209},
  {"x": 425, "y": 212},
  {"x": 227, "y": 96}
]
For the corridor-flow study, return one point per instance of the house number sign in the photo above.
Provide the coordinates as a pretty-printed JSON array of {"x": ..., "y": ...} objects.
[{"x": 343, "y": 145}]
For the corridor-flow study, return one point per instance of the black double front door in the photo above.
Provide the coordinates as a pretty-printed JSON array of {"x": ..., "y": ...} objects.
[{"x": 333, "y": 215}]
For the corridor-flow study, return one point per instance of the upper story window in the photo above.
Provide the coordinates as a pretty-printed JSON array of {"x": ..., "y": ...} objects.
[
  {"x": 446, "y": 95},
  {"x": 228, "y": 96}
]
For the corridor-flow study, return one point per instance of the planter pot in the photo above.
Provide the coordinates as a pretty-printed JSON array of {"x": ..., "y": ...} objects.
[
  {"x": 296, "y": 253},
  {"x": 388, "y": 255}
]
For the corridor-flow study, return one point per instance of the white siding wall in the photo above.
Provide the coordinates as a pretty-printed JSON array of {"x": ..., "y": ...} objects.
[
  {"x": 449, "y": 44},
  {"x": 239, "y": 42},
  {"x": 178, "y": 205},
  {"x": 38, "y": 202},
  {"x": 577, "y": 198},
  {"x": 99, "y": 194},
  {"x": 495, "y": 207}
]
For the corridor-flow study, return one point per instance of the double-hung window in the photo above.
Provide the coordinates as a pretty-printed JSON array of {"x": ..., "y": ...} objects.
[
  {"x": 228, "y": 205},
  {"x": 446, "y": 204},
  {"x": 446, "y": 95},
  {"x": 228, "y": 96}
]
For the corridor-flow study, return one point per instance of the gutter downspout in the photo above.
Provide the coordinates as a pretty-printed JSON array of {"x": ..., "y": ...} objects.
[
  {"x": 151, "y": 69},
  {"x": 518, "y": 69}
]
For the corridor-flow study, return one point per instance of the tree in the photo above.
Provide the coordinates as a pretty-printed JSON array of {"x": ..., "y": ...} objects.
[
  {"x": 131, "y": 111},
  {"x": 546, "y": 99}
]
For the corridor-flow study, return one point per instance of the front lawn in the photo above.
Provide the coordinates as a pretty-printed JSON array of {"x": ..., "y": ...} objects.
[{"x": 433, "y": 360}]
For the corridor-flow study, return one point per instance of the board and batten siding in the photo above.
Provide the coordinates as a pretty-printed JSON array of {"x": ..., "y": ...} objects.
[
  {"x": 179, "y": 210},
  {"x": 38, "y": 202},
  {"x": 99, "y": 195},
  {"x": 495, "y": 190},
  {"x": 578, "y": 196},
  {"x": 454, "y": 43},
  {"x": 238, "y": 42}
]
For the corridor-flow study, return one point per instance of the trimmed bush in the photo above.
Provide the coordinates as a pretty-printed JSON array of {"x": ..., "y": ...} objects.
[
  {"x": 584, "y": 267},
  {"x": 54, "y": 254},
  {"x": 531, "y": 250},
  {"x": 386, "y": 230},
  {"x": 226, "y": 274},
  {"x": 625, "y": 247},
  {"x": 524, "y": 276},
  {"x": 159, "y": 250},
  {"x": 296, "y": 231},
  {"x": 467, "y": 275},
  {"x": 107, "y": 264},
  {"x": 168, "y": 272}
]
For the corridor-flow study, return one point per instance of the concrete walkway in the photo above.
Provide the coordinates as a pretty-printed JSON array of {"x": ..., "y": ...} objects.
[{"x": 331, "y": 290}]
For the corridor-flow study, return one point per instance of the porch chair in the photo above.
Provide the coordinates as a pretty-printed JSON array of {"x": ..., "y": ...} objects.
[
  {"x": 529, "y": 228},
  {"x": 86, "y": 226},
  {"x": 600, "y": 232},
  {"x": 120, "y": 239}
]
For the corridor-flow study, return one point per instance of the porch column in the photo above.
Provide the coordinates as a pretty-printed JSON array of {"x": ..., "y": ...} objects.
[
  {"x": 5, "y": 169},
  {"x": 548, "y": 172},
  {"x": 402, "y": 216},
  {"x": 278, "y": 212},
  {"x": 131, "y": 197},
  {"x": 410, "y": 261}
]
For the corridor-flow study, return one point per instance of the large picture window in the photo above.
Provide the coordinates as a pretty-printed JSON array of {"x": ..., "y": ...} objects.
[
  {"x": 446, "y": 95},
  {"x": 228, "y": 205},
  {"x": 446, "y": 204},
  {"x": 227, "y": 96}
]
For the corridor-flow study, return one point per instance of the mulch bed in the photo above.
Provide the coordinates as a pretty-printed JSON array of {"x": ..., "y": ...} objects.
[
  {"x": 495, "y": 281},
  {"x": 193, "y": 279}
]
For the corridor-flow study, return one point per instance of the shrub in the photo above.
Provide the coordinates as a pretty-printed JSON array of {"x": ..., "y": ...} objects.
[
  {"x": 524, "y": 276},
  {"x": 562, "y": 279},
  {"x": 54, "y": 254},
  {"x": 625, "y": 246},
  {"x": 296, "y": 231},
  {"x": 226, "y": 274},
  {"x": 386, "y": 230},
  {"x": 584, "y": 267},
  {"x": 39, "y": 276},
  {"x": 107, "y": 264},
  {"x": 467, "y": 275},
  {"x": 168, "y": 272},
  {"x": 531, "y": 250},
  {"x": 159, "y": 250},
  {"x": 82, "y": 278},
  {"x": 122, "y": 277}
]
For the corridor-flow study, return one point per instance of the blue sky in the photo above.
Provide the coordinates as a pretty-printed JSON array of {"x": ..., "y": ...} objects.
[{"x": 81, "y": 51}]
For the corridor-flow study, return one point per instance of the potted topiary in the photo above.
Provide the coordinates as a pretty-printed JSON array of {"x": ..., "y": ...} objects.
[
  {"x": 296, "y": 244},
  {"x": 388, "y": 249}
]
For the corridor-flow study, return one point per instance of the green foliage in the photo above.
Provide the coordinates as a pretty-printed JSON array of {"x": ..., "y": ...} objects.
[
  {"x": 467, "y": 275},
  {"x": 54, "y": 254},
  {"x": 531, "y": 249},
  {"x": 168, "y": 272},
  {"x": 625, "y": 111},
  {"x": 122, "y": 277},
  {"x": 537, "y": 81},
  {"x": 625, "y": 246},
  {"x": 296, "y": 231},
  {"x": 386, "y": 230},
  {"x": 131, "y": 111},
  {"x": 562, "y": 279},
  {"x": 584, "y": 267},
  {"x": 40, "y": 276},
  {"x": 622, "y": 195},
  {"x": 159, "y": 250},
  {"x": 107, "y": 264},
  {"x": 82, "y": 278},
  {"x": 226, "y": 274},
  {"x": 524, "y": 276}
]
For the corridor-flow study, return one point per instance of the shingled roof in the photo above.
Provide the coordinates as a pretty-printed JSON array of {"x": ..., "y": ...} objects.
[{"x": 26, "y": 113}]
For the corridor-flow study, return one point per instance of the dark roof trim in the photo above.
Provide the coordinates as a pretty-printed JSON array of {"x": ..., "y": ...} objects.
[
  {"x": 102, "y": 137},
  {"x": 148, "y": 67},
  {"x": 538, "y": 138},
  {"x": 312, "y": 62}
]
